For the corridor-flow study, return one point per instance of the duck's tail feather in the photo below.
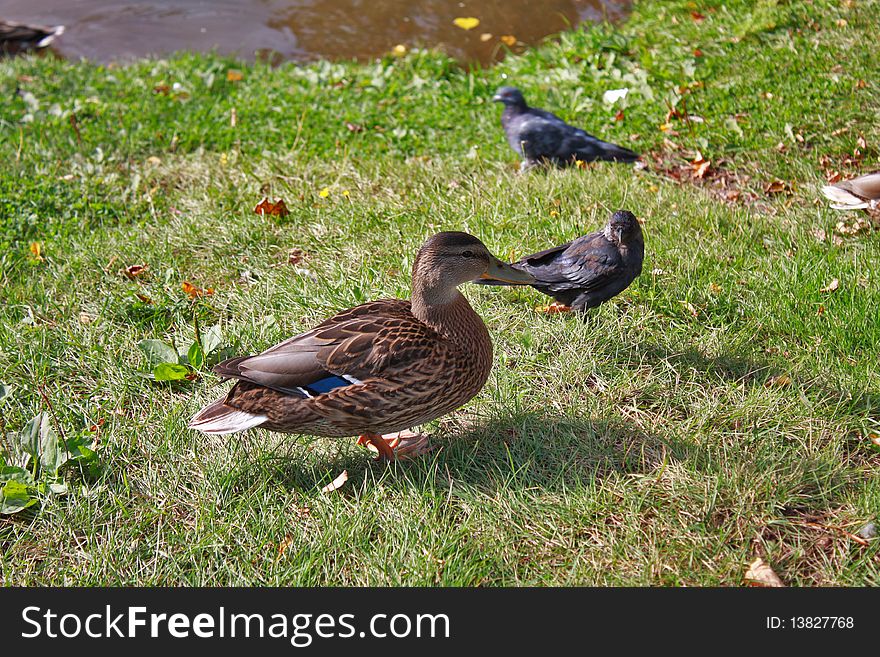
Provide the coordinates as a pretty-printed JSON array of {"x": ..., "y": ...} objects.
[
  {"x": 218, "y": 418},
  {"x": 843, "y": 200}
]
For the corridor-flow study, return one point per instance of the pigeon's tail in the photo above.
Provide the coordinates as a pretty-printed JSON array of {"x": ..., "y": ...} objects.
[
  {"x": 218, "y": 418},
  {"x": 609, "y": 152}
]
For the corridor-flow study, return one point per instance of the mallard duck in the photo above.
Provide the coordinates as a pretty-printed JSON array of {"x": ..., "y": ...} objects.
[
  {"x": 862, "y": 193},
  {"x": 375, "y": 369},
  {"x": 540, "y": 137},
  {"x": 588, "y": 271},
  {"x": 18, "y": 37}
]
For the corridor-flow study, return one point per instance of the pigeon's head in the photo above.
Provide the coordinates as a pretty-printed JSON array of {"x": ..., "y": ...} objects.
[
  {"x": 510, "y": 96},
  {"x": 622, "y": 227}
]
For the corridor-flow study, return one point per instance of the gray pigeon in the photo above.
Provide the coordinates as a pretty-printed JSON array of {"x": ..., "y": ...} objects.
[
  {"x": 540, "y": 137},
  {"x": 589, "y": 270}
]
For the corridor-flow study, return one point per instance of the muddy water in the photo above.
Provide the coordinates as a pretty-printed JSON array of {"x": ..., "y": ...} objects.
[{"x": 106, "y": 30}]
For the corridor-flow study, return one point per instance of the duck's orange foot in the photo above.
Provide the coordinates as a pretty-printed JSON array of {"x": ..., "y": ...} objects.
[
  {"x": 396, "y": 446},
  {"x": 554, "y": 308}
]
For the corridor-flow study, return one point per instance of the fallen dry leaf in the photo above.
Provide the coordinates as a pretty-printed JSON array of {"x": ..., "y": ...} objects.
[
  {"x": 485, "y": 36},
  {"x": 833, "y": 285},
  {"x": 777, "y": 187},
  {"x": 234, "y": 75},
  {"x": 466, "y": 23},
  {"x": 133, "y": 271},
  {"x": 144, "y": 298},
  {"x": 295, "y": 257},
  {"x": 508, "y": 40},
  {"x": 195, "y": 292},
  {"x": 336, "y": 483},
  {"x": 761, "y": 574},
  {"x": 619, "y": 116},
  {"x": 779, "y": 381},
  {"x": 278, "y": 208},
  {"x": 697, "y": 16},
  {"x": 700, "y": 166},
  {"x": 354, "y": 127}
]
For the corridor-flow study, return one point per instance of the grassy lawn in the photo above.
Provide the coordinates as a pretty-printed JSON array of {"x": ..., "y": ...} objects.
[{"x": 719, "y": 410}]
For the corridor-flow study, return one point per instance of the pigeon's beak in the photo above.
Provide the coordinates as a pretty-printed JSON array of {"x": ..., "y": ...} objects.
[
  {"x": 497, "y": 98},
  {"x": 501, "y": 271}
]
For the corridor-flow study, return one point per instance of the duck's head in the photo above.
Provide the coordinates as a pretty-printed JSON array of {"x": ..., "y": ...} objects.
[
  {"x": 449, "y": 259},
  {"x": 510, "y": 96},
  {"x": 623, "y": 227}
]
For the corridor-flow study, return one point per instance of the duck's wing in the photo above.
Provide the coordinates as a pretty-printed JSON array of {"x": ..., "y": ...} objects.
[{"x": 357, "y": 344}]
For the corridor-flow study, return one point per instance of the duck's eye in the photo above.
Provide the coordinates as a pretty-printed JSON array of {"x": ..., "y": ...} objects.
[{"x": 467, "y": 254}]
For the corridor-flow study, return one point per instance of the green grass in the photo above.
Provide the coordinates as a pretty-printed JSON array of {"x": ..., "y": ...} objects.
[{"x": 697, "y": 421}]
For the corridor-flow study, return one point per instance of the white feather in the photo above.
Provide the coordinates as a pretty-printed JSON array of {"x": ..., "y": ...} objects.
[
  {"x": 229, "y": 422},
  {"x": 843, "y": 200}
]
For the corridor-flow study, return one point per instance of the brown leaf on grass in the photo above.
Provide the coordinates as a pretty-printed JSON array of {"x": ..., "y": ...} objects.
[
  {"x": 761, "y": 574},
  {"x": 861, "y": 84},
  {"x": 780, "y": 381},
  {"x": 700, "y": 166},
  {"x": 163, "y": 89},
  {"x": 861, "y": 143},
  {"x": 354, "y": 127},
  {"x": 278, "y": 208},
  {"x": 833, "y": 285},
  {"x": 619, "y": 116},
  {"x": 336, "y": 483},
  {"x": 295, "y": 256},
  {"x": 697, "y": 16},
  {"x": 833, "y": 176},
  {"x": 144, "y": 298},
  {"x": 195, "y": 292},
  {"x": 234, "y": 75},
  {"x": 508, "y": 40},
  {"x": 874, "y": 437},
  {"x": 133, "y": 271},
  {"x": 283, "y": 545},
  {"x": 777, "y": 187}
]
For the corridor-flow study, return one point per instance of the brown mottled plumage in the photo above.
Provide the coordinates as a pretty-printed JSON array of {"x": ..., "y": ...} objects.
[{"x": 375, "y": 369}]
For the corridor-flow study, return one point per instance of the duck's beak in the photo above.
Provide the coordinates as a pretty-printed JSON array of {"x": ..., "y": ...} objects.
[{"x": 504, "y": 273}]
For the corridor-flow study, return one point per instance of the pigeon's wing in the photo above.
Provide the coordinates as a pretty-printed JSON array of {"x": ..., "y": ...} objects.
[
  {"x": 588, "y": 263},
  {"x": 538, "y": 138},
  {"x": 581, "y": 145}
]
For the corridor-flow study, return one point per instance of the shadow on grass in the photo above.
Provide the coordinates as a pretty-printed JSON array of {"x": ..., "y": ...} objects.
[{"x": 529, "y": 450}]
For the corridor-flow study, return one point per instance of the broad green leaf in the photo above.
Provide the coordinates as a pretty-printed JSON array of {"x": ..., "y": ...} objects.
[
  {"x": 195, "y": 355},
  {"x": 157, "y": 352},
  {"x": 170, "y": 372},
  {"x": 14, "y": 473},
  {"x": 211, "y": 339},
  {"x": 29, "y": 436},
  {"x": 80, "y": 448},
  {"x": 15, "y": 496},
  {"x": 52, "y": 451}
]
